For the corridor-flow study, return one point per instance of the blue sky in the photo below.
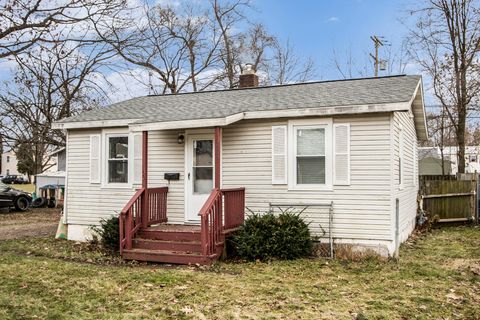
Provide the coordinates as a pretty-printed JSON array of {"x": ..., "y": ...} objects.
[{"x": 318, "y": 27}]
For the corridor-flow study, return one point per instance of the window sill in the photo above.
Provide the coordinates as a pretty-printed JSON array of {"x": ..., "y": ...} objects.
[
  {"x": 310, "y": 188},
  {"x": 117, "y": 186}
]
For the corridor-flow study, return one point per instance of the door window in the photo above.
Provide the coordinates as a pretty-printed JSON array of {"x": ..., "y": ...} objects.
[{"x": 202, "y": 166}]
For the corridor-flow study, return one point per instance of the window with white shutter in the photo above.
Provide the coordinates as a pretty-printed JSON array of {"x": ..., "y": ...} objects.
[
  {"x": 279, "y": 154},
  {"x": 137, "y": 158},
  {"x": 95, "y": 158},
  {"x": 342, "y": 154},
  {"x": 310, "y": 154}
]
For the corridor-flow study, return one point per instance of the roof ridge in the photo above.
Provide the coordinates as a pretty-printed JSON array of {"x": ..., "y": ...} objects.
[{"x": 277, "y": 85}]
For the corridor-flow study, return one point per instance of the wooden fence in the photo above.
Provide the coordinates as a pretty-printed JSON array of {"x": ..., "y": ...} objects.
[{"x": 448, "y": 199}]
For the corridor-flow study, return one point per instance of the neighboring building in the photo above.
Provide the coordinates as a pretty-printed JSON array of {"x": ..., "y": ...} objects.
[
  {"x": 353, "y": 142},
  {"x": 55, "y": 175},
  {"x": 9, "y": 164},
  {"x": 472, "y": 158},
  {"x": 450, "y": 158},
  {"x": 430, "y": 162}
]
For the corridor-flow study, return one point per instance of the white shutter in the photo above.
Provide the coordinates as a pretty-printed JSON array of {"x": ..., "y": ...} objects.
[
  {"x": 279, "y": 154},
  {"x": 342, "y": 154},
  {"x": 137, "y": 158},
  {"x": 95, "y": 158}
]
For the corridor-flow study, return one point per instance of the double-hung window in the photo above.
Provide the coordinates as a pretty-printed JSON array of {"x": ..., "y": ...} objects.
[
  {"x": 310, "y": 158},
  {"x": 310, "y": 155},
  {"x": 117, "y": 159}
]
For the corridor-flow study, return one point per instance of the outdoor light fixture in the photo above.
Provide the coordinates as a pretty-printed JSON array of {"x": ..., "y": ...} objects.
[{"x": 181, "y": 138}]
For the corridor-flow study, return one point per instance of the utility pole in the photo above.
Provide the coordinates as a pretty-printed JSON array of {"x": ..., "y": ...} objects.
[{"x": 378, "y": 43}]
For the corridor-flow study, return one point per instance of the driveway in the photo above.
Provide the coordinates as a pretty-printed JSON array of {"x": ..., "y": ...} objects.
[{"x": 38, "y": 222}]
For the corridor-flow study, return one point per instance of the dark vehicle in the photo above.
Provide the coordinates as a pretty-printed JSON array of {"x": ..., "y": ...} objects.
[
  {"x": 14, "y": 179},
  {"x": 10, "y": 197}
]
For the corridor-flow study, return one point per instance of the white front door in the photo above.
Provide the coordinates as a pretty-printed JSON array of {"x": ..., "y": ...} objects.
[{"x": 199, "y": 175}]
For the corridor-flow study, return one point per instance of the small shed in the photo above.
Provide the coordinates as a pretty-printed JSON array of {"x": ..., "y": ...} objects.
[
  {"x": 433, "y": 166},
  {"x": 49, "y": 178}
]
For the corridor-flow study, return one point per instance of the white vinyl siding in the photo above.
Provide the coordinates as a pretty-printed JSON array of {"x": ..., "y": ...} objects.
[
  {"x": 95, "y": 165},
  {"x": 404, "y": 130},
  {"x": 137, "y": 158},
  {"x": 361, "y": 210},
  {"x": 341, "y": 161},
  {"x": 279, "y": 154},
  {"x": 89, "y": 203},
  {"x": 401, "y": 170}
]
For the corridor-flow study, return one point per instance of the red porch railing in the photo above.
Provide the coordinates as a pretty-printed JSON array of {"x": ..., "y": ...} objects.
[
  {"x": 214, "y": 222},
  {"x": 157, "y": 203},
  {"x": 234, "y": 207},
  {"x": 138, "y": 213}
]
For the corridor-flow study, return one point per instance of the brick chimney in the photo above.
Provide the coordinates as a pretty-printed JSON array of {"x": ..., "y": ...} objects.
[{"x": 248, "y": 78}]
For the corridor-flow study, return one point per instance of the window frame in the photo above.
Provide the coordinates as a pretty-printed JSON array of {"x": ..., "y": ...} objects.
[
  {"x": 107, "y": 134},
  {"x": 293, "y": 126}
]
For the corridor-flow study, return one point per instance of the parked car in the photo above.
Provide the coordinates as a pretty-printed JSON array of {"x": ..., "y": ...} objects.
[
  {"x": 10, "y": 197},
  {"x": 14, "y": 179}
]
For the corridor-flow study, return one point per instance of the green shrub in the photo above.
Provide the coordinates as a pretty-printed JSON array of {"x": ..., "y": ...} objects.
[
  {"x": 109, "y": 233},
  {"x": 269, "y": 236}
]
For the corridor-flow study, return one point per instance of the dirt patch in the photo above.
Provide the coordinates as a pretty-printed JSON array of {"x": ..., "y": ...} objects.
[{"x": 33, "y": 223}]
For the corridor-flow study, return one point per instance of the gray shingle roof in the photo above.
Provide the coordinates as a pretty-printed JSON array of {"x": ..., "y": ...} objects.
[{"x": 219, "y": 104}]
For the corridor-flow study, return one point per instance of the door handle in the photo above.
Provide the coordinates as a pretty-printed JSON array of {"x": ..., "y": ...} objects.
[{"x": 189, "y": 176}]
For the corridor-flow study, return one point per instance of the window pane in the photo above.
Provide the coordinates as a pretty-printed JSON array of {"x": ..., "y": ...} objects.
[
  {"x": 117, "y": 171},
  {"x": 202, "y": 180},
  {"x": 310, "y": 142},
  {"x": 118, "y": 147},
  {"x": 203, "y": 154},
  {"x": 310, "y": 170}
]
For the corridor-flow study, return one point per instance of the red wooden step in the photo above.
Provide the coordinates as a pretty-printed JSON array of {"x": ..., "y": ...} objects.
[
  {"x": 171, "y": 233},
  {"x": 166, "y": 256},
  {"x": 168, "y": 235},
  {"x": 151, "y": 244}
]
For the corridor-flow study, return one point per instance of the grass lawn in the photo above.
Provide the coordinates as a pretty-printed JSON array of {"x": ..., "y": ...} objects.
[
  {"x": 25, "y": 187},
  {"x": 436, "y": 277}
]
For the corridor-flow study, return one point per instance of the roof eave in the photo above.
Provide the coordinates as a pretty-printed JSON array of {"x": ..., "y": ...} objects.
[
  {"x": 417, "y": 104},
  {"x": 92, "y": 124},
  {"x": 137, "y": 125},
  {"x": 282, "y": 113}
]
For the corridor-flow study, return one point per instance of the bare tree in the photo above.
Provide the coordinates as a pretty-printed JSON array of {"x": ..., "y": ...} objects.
[
  {"x": 286, "y": 66},
  {"x": 23, "y": 23},
  {"x": 441, "y": 132},
  {"x": 445, "y": 43},
  {"x": 227, "y": 15},
  {"x": 52, "y": 81}
]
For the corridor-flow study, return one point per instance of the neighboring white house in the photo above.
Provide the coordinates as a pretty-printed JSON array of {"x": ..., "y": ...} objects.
[
  {"x": 353, "y": 142},
  {"x": 55, "y": 175},
  {"x": 9, "y": 164}
]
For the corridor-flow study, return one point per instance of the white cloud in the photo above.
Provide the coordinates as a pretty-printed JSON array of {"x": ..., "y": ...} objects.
[{"x": 333, "y": 19}]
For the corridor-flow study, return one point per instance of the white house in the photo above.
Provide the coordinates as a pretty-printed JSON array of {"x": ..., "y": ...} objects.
[
  {"x": 9, "y": 164},
  {"x": 352, "y": 143}
]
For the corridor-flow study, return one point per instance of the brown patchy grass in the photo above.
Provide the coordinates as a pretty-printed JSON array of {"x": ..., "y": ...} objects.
[
  {"x": 435, "y": 278},
  {"x": 36, "y": 222}
]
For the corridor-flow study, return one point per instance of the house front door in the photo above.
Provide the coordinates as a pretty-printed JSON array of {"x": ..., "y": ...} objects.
[{"x": 199, "y": 175}]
